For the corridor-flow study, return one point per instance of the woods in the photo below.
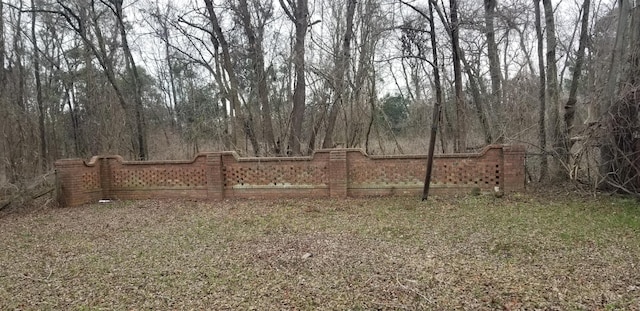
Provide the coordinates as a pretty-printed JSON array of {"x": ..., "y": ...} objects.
[{"x": 156, "y": 79}]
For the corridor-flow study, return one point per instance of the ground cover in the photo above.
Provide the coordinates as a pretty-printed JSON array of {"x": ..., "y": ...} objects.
[{"x": 478, "y": 252}]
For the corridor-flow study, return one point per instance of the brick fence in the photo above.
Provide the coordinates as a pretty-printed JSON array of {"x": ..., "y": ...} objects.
[{"x": 335, "y": 173}]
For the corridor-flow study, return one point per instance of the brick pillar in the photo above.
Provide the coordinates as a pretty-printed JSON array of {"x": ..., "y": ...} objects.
[
  {"x": 338, "y": 174},
  {"x": 69, "y": 182},
  {"x": 513, "y": 171},
  {"x": 215, "y": 180}
]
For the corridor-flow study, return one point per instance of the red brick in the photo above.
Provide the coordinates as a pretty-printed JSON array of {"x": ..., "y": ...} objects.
[{"x": 337, "y": 173}]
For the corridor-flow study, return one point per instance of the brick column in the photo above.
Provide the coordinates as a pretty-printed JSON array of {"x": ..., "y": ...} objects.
[
  {"x": 338, "y": 174},
  {"x": 215, "y": 180},
  {"x": 513, "y": 171},
  {"x": 69, "y": 182}
]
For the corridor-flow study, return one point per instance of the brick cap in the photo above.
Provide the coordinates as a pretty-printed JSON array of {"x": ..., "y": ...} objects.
[
  {"x": 237, "y": 157},
  {"x": 77, "y": 161},
  {"x": 514, "y": 148}
]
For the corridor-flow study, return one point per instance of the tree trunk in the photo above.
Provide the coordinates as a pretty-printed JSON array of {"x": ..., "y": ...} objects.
[
  {"x": 478, "y": 101},
  {"x": 475, "y": 84},
  {"x": 229, "y": 133},
  {"x": 142, "y": 148},
  {"x": 542, "y": 130},
  {"x": 460, "y": 141},
  {"x": 618, "y": 151},
  {"x": 318, "y": 123},
  {"x": 299, "y": 15},
  {"x": 174, "y": 110},
  {"x": 560, "y": 155},
  {"x": 3, "y": 112},
  {"x": 18, "y": 48},
  {"x": 236, "y": 108},
  {"x": 85, "y": 147},
  {"x": 257, "y": 56},
  {"x": 492, "y": 51},
  {"x": 616, "y": 56},
  {"x": 40, "y": 104},
  {"x": 525, "y": 51},
  {"x": 79, "y": 26},
  {"x": 2, "y": 48},
  {"x": 436, "y": 106},
  {"x": 341, "y": 67},
  {"x": 570, "y": 106}
]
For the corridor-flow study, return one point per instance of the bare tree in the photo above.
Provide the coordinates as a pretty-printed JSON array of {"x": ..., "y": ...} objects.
[
  {"x": 298, "y": 13},
  {"x": 163, "y": 31},
  {"x": 254, "y": 37},
  {"x": 570, "y": 106},
  {"x": 219, "y": 38},
  {"x": 478, "y": 91},
  {"x": 460, "y": 141},
  {"x": 438, "y": 89},
  {"x": 618, "y": 141},
  {"x": 81, "y": 24},
  {"x": 2, "y": 47},
  {"x": 614, "y": 73},
  {"x": 341, "y": 66},
  {"x": 3, "y": 144},
  {"x": 492, "y": 51},
  {"x": 135, "y": 79},
  {"x": 560, "y": 157},
  {"x": 542, "y": 130},
  {"x": 39, "y": 100}
]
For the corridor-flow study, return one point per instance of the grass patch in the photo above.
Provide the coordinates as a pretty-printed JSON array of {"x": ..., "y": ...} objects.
[{"x": 476, "y": 252}]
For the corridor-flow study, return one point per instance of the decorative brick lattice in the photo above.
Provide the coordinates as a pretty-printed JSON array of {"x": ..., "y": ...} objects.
[
  {"x": 387, "y": 172},
  {"x": 152, "y": 177},
  {"x": 467, "y": 172},
  {"x": 274, "y": 175},
  {"x": 337, "y": 173},
  {"x": 90, "y": 180}
]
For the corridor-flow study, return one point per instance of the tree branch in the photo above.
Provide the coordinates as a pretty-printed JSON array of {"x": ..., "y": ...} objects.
[
  {"x": 286, "y": 10},
  {"x": 413, "y": 7}
]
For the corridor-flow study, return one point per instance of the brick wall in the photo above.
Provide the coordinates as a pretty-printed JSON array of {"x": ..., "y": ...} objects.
[
  {"x": 336, "y": 173},
  {"x": 78, "y": 181}
]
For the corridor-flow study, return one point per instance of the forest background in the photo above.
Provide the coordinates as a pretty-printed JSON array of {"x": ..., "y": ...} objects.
[{"x": 151, "y": 79}]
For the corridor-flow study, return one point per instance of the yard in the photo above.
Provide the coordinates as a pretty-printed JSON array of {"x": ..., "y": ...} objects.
[{"x": 478, "y": 252}]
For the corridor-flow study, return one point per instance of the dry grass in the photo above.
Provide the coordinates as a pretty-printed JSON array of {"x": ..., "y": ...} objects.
[{"x": 519, "y": 252}]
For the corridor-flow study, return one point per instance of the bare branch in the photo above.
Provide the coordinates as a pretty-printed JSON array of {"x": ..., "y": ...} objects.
[
  {"x": 287, "y": 10},
  {"x": 416, "y": 9}
]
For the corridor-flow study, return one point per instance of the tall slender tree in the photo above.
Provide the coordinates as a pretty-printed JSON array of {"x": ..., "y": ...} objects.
[
  {"x": 236, "y": 109},
  {"x": 559, "y": 156},
  {"x": 256, "y": 53},
  {"x": 134, "y": 77},
  {"x": 39, "y": 100},
  {"x": 341, "y": 65},
  {"x": 492, "y": 51},
  {"x": 461, "y": 132},
  {"x": 542, "y": 98},
  {"x": 2, "y": 46},
  {"x": 570, "y": 106},
  {"x": 298, "y": 13}
]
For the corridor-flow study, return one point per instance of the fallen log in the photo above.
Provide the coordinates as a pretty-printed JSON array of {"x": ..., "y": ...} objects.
[{"x": 39, "y": 187}]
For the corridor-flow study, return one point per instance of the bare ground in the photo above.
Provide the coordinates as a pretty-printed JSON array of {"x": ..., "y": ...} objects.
[{"x": 519, "y": 252}]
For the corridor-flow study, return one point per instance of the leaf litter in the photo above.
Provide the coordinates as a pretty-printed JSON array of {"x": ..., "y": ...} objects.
[{"x": 511, "y": 253}]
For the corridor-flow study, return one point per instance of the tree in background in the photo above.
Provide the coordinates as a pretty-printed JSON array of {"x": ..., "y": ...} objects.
[
  {"x": 298, "y": 12},
  {"x": 267, "y": 78}
]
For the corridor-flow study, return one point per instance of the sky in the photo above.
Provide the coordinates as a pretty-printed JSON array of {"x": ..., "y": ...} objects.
[{"x": 149, "y": 52}]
